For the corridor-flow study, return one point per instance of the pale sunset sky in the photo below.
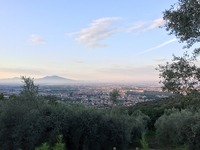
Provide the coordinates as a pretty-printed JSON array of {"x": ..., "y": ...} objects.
[{"x": 98, "y": 40}]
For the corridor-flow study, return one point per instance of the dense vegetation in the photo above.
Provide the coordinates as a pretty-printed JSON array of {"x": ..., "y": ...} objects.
[
  {"x": 174, "y": 121},
  {"x": 28, "y": 120}
]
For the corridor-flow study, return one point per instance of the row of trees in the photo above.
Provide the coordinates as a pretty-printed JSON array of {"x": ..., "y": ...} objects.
[
  {"x": 164, "y": 121},
  {"x": 28, "y": 120}
]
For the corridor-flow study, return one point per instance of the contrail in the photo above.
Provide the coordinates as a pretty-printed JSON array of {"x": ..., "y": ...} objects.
[{"x": 161, "y": 45}]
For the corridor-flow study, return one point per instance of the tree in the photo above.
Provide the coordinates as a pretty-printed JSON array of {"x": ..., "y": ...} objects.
[
  {"x": 114, "y": 94},
  {"x": 12, "y": 96},
  {"x": 178, "y": 128},
  {"x": 181, "y": 76},
  {"x": 29, "y": 89},
  {"x": 1, "y": 96},
  {"x": 183, "y": 20}
]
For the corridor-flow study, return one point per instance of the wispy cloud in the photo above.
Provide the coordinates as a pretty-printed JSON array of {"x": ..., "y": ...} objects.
[
  {"x": 155, "y": 24},
  {"x": 136, "y": 26},
  {"x": 96, "y": 45},
  {"x": 96, "y": 31},
  {"x": 36, "y": 39},
  {"x": 144, "y": 26},
  {"x": 159, "y": 46},
  {"x": 102, "y": 28}
]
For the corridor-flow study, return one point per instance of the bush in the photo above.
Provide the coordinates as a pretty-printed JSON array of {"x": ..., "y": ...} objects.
[
  {"x": 58, "y": 146},
  {"x": 176, "y": 128},
  {"x": 28, "y": 120},
  {"x": 27, "y": 123},
  {"x": 143, "y": 142}
]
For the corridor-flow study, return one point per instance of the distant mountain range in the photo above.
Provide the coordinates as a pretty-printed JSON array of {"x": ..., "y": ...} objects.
[
  {"x": 48, "y": 80},
  {"x": 57, "y": 80}
]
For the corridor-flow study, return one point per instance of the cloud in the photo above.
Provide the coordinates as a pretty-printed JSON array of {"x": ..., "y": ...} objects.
[
  {"x": 159, "y": 46},
  {"x": 96, "y": 45},
  {"x": 155, "y": 24},
  {"x": 143, "y": 26},
  {"x": 136, "y": 26},
  {"x": 98, "y": 30},
  {"x": 36, "y": 39}
]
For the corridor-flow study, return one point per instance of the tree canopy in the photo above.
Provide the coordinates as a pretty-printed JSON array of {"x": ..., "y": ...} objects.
[
  {"x": 182, "y": 76},
  {"x": 183, "y": 20},
  {"x": 114, "y": 94},
  {"x": 29, "y": 89},
  {"x": 1, "y": 96}
]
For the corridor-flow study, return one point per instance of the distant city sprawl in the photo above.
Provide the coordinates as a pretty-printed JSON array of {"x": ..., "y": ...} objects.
[{"x": 97, "y": 95}]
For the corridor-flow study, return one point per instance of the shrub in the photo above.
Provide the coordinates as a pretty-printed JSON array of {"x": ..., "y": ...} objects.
[{"x": 179, "y": 128}]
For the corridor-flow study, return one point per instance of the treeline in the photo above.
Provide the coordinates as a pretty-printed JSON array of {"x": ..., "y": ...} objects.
[
  {"x": 174, "y": 121},
  {"x": 29, "y": 120}
]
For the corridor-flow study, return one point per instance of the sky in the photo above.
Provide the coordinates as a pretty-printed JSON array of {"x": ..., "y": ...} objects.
[{"x": 96, "y": 40}]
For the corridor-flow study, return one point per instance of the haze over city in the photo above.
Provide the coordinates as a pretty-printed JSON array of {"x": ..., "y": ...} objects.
[{"x": 85, "y": 40}]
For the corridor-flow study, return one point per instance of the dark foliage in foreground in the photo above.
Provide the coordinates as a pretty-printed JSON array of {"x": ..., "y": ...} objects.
[
  {"x": 176, "y": 121},
  {"x": 27, "y": 123},
  {"x": 156, "y": 108}
]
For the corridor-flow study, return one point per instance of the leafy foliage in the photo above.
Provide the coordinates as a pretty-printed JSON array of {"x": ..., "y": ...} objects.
[
  {"x": 143, "y": 142},
  {"x": 58, "y": 146},
  {"x": 182, "y": 20},
  {"x": 1, "y": 96},
  {"x": 178, "y": 128},
  {"x": 29, "y": 89},
  {"x": 28, "y": 120},
  {"x": 44, "y": 146},
  {"x": 182, "y": 127},
  {"x": 114, "y": 94},
  {"x": 26, "y": 124},
  {"x": 181, "y": 76}
]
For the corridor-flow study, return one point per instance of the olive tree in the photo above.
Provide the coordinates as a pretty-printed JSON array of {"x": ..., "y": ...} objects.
[
  {"x": 181, "y": 76},
  {"x": 183, "y": 20},
  {"x": 178, "y": 128}
]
